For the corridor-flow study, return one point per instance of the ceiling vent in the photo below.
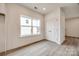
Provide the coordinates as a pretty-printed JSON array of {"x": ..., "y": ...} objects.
[{"x": 35, "y": 7}]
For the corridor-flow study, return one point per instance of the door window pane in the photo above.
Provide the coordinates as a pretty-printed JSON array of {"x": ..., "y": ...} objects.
[
  {"x": 25, "y": 31},
  {"x": 36, "y": 22},
  {"x": 25, "y": 20},
  {"x": 29, "y": 26},
  {"x": 38, "y": 30},
  {"x": 35, "y": 30}
]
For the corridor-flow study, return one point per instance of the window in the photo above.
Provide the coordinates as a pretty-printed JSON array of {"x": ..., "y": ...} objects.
[
  {"x": 25, "y": 26},
  {"x": 29, "y": 26},
  {"x": 36, "y": 26}
]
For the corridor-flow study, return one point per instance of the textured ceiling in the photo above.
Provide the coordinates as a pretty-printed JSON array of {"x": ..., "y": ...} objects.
[{"x": 49, "y": 6}]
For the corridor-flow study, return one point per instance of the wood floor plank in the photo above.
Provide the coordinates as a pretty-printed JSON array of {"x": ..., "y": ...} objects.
[{"x": 47, "y": 48}]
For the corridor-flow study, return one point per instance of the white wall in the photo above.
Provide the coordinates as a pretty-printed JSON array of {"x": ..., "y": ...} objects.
[
  {"x": 55, "y": 22},
  {"x": 71, "y": 11},
  {"x": 52, "y": 24},
  {"x": 62, "y": 25},
  {"x": 72, "y": 21},
  {"x": 2, "y": 33},
  {"x": 2, "y": 8},
  {"x": 72, "y": 27},
  {"x": 13, "y": 26}
]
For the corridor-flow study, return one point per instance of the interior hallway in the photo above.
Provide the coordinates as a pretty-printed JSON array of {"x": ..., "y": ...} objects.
[{"x": 48, "y": 48}]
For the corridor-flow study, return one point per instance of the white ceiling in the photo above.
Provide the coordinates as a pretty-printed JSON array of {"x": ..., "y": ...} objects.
[{"x": 49, "y": 6}]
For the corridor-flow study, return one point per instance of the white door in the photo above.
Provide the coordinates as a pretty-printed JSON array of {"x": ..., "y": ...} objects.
[{"x": 51, "y": 30}]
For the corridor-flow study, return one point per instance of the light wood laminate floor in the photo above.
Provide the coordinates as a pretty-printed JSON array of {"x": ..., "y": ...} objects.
[{"x": 47, "y": 48}]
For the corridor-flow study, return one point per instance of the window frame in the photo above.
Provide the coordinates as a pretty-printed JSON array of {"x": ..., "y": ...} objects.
[{"x": 30, "y": 26}]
